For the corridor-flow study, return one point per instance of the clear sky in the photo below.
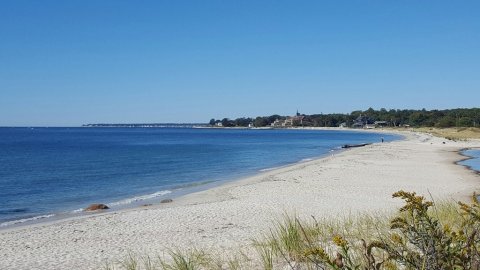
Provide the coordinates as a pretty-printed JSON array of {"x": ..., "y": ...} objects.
[{"x": 65, "y": 63}]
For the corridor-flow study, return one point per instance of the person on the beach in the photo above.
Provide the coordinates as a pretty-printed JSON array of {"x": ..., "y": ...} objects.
[{"x": 382, "y": 139}]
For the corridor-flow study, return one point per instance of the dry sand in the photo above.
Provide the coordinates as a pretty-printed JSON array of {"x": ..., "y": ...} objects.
[{"x": 227, "y": 217}]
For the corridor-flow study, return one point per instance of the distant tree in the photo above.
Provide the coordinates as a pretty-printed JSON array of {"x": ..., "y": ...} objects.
[
  {"x": 465, "y": 122},
  {"x": 423, "y": 117},
  {"x": 417, "y": 118},
  {"x": 242, "y": 122},
  {"x": 446, "y": 122},
  {"x": 212, "y": 122},
  {"x": 260, "y": 122},
  {"x": 227, "y": 122}
]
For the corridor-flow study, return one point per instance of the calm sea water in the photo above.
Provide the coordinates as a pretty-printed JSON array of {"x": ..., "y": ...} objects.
[
  {"x": 474, "y": 161},
  {"x": 46, "y": 172}
]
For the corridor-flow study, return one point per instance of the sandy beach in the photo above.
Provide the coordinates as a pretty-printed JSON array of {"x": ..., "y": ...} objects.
[{"x": 229, "y": 216}]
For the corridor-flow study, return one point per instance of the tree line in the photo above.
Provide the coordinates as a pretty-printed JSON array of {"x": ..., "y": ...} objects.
[{"x": 394, "y": 118}]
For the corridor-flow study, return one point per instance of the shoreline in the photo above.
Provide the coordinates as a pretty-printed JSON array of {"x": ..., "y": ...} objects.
[
  {"x": 138, "y": 200},
  {"x": 467, "y": 157},
  {"x": 228, "y": 216},
  {"x": 193, "y": 188}
]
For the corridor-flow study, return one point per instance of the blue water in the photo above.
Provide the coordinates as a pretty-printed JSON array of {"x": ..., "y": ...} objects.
[
  {"x": 474, "y": 161},
  {"x": 54, "y": 171}
]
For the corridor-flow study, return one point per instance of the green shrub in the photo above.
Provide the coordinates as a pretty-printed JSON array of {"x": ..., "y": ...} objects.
[{"x": 420, "y": 236}]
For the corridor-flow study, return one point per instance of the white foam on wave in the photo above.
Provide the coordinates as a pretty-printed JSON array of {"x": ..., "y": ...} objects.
[
  {"x": 141, "y": 198},
  {"x": 122, "y": 202},
  {"x": 19, "y": 221},
  {"x": 270, "y": 169}
]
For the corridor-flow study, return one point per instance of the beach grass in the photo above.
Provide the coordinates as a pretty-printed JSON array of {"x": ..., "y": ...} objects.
[
  {"x": 451, "y": 133},
  {"x": 423, "y": 234},
  {"x": 460, "y": 133}
]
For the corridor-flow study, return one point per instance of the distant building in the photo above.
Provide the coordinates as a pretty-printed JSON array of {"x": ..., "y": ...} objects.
[
  {"x": 380, "y": 123},
  {"x": 360, "y": 122},
  {"x": 291, "y": 121},
  {"x": 363, "y": 121},
  {"x": 278, "y": 123},
  {"x": 297, "y": 119}
]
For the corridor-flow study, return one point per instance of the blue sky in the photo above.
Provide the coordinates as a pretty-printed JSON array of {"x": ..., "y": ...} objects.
[{"x": 66, "y": 63}]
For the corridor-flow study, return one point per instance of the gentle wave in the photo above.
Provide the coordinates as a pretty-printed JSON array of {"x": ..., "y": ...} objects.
[
  {"x": 18, "y": 221},
  {"x": 122, "y": 202},
  {"x": 140, "y": 198},
  {"x": 269, "y": 169},
  {"x": 194, "y": 184}
]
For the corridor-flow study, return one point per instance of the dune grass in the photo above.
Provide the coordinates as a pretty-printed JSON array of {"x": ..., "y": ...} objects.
[
  {"x": 456, "y": 134},
  {"x": 422, "y": 235}
]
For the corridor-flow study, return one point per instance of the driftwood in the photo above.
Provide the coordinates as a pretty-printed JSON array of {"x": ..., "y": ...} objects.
[{"x": 355, "y": 145}]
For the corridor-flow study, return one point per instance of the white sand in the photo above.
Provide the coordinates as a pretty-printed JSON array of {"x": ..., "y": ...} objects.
[{"x": 360, "y": 179}]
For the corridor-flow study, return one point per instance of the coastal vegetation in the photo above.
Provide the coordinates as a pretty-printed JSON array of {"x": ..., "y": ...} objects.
[
  {"x": 422, "y": 235},
  {"x": 461, "y": 133},
  {"x": 391, "y": 118}
]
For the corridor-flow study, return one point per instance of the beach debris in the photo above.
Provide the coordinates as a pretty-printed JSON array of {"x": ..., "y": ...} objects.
[
  {"x": 355, "y": 145},
  {"x": 166, "y": 201},
  {"x": 97, "y": 206}
]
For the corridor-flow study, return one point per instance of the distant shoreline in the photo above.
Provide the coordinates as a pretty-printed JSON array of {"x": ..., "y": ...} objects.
[{"x": 144, "y": 125}]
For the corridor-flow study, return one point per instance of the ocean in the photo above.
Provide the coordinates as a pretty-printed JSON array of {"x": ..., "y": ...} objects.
[{"x": 48, "y": 173}]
